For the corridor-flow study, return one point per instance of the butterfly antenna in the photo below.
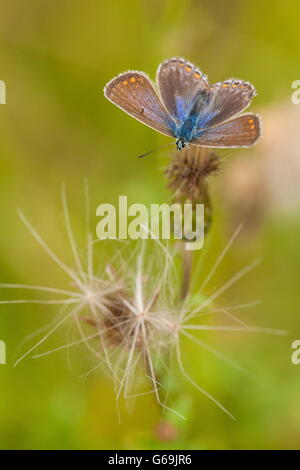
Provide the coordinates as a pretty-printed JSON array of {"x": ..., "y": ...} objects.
[{"x": 154, "y": 150}]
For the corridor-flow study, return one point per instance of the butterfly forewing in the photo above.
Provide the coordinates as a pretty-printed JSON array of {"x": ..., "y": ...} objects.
[
  {"x": 226, "y": 100},
  {"x": 134, "y": 93},
  {"x": 179, "y": 82},
  {"x": 242, "y": 131}
]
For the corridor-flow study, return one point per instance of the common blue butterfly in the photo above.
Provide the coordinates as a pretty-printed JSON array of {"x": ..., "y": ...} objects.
[{"x": 186, "y": 106}]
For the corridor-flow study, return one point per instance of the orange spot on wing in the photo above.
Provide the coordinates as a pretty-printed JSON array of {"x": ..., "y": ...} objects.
[
  {"x": 132, "y": 79},
  {"x": 125, "y": 82},
  {"x": 197, "y": 75},
  {"x": 188, "y": 69}
]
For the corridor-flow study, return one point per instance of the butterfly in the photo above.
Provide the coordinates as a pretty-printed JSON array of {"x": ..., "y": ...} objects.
[{"x": 186, "y": 106}]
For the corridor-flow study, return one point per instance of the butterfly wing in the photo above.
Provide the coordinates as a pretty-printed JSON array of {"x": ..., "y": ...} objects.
[
  {"x": 134, "y": 93},
  {"x": 242, "y": 131},
  {"x": 226, "y": 99},
  {"x": 179, "y": 82}
]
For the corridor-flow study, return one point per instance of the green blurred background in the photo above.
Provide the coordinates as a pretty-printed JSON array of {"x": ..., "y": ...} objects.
[{"x": 57, "y": 127}]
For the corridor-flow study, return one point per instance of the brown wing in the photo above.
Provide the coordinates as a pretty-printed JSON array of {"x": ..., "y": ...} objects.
[
  {"x": 134, "y": 93},
  {"x": 242, "y": 131},
  {"x": 179, "y": 82},
  {"x": 226, "y": 100}
]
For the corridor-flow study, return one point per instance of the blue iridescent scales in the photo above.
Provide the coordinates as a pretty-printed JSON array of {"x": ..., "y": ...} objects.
[{"x": 186, "y": 107}]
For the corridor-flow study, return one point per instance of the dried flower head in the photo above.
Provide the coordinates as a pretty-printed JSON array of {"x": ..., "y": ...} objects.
[
  {"x": 188, "y": 173},
  {"x": 131, "y": 317}
]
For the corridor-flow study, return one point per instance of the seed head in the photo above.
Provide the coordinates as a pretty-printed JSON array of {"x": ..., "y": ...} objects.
[{"x": 188, "y": 173}]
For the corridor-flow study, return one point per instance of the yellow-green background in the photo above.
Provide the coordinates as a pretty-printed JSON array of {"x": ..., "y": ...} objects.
[{"x": 55, "y": 58}]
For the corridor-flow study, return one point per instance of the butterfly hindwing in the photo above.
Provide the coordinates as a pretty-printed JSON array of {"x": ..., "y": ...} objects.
[
  {"x": 241, "y": 131},
  {"x": 134, "y": 93},
  {"x": 179, "y": 82}
]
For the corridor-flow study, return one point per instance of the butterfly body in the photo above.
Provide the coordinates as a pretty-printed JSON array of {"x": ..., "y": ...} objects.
[
  {"x": 190, "y": 129},
  {"x": 191, "y": 125},
  {"x": 187, "y": 107}
]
